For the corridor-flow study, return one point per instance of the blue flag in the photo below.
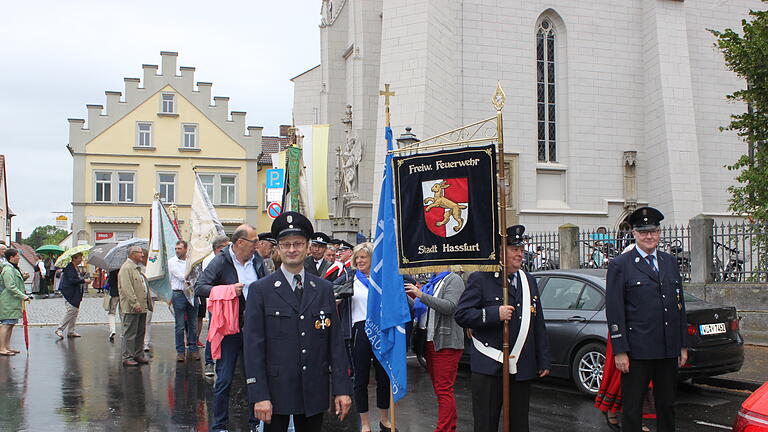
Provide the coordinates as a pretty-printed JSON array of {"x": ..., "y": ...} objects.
[{"x": 387, "y": 304}]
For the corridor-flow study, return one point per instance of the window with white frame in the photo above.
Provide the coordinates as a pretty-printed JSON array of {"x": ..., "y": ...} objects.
[
  {"x": 168, "y": 105},
  {"x": 125, "y": 187},
  {"x": 166, "y": 186},
  {"x": 227, "y": 189},
  {"x": 144, "y": 134},
  {"x": 103, "y": 192},
  {"x": 545, "y": 92},
  {"x": 189, "y": 136},
  {"x": 208, "y": 181}
]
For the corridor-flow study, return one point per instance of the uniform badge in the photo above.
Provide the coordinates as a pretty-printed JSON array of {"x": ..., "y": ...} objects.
[
  {"x": 637, "y": 259},
  {"x": 312, "y": 284},
  {"x": 679, "y": 306},
  {"x": 323, "y": 323},
  {"x": 496, "y": 274},
  {"x": 533, "y": 310},
  {"x": 278, "y": 283}
]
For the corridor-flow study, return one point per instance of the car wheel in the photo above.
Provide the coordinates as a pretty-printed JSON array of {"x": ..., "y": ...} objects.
[{"x": 587, "y": 368}]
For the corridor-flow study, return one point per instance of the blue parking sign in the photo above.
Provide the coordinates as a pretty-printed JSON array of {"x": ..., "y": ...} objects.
[{"x": 275, "y": 178}]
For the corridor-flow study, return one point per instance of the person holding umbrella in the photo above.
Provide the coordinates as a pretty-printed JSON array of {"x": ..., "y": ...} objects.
[
  {"x": 71, "y": 287},
  {"x": 12, "y": 295}
]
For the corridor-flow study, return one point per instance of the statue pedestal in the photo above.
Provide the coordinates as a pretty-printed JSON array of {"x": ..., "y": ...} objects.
[{"x": 345, "y": 228}]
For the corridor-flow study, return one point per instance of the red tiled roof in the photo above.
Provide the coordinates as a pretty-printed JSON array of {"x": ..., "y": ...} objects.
[
  {"x": 269, "y": 146},
  {"x": 26, "y": 251}
]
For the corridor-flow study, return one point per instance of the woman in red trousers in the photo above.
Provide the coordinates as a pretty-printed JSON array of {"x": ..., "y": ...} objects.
[{"x": 608, "y": 399}]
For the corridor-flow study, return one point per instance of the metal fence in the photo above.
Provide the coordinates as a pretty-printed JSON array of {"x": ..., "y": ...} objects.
[
  {"x": 542, "y": 252},
  {"x": 597, "y": 248},
  {"x": 740, "y": 252}
]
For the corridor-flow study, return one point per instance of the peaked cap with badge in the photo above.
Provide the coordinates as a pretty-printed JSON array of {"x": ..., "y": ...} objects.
[
  {"x": 292, "y": 223},
  {"x": 515, "y": 235},
  {"x": 320, "y": 239},
  {"x": 343, "y": 244},
  {"x": 645, "y": 219},
  {"x": 267, "y": 236}
]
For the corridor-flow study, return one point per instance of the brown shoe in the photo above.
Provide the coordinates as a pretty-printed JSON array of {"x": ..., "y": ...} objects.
[
  {"x": 129, "y": 362},
  {"x": 180, "y": 358},
  {"x": 194, "y": 355},
  {"x": 141, "y": 360}
]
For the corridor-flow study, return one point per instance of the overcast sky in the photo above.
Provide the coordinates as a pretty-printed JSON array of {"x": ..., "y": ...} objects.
[{"x": 59, "y": 56}]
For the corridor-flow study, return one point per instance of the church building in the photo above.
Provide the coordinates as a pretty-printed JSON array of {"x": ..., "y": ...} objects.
[{"x": 610, "y": 104}]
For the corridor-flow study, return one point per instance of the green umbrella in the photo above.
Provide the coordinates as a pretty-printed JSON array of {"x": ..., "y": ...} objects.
[
  {"x": 50, "y": 249},
  {"x": 66, "y": 257}
]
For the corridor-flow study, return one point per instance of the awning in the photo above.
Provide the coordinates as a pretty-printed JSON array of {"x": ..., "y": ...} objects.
[{"x": 114, "y": 219}]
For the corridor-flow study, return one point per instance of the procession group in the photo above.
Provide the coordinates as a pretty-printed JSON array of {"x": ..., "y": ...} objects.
[{"x": 292, "y": 302}]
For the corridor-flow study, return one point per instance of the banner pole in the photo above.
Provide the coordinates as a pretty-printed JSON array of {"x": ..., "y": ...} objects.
[
  {"x": 498, "y": 100},
  {"x": 392, "y": 409}
]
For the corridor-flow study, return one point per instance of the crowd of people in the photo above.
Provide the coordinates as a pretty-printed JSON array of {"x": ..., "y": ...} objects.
[{"x": 292, "y": 304}]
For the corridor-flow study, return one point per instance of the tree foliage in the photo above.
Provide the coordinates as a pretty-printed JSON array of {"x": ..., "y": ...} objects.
[
  {"x": 746, "y": 55},
  {"x": 46, "y": 234}
]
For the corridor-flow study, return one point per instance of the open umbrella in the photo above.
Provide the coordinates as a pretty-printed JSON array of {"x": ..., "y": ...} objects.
[
  {"x": 50, "y": 249},
  {"x": 97, "y": 253},
  {"x": 118, "y": 254},
  {"x": 66, "y": 257},
  {"x": 25, "y": 321}
]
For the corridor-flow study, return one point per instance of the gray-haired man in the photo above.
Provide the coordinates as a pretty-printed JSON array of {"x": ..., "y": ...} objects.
[{"x": 133, "y": 289}]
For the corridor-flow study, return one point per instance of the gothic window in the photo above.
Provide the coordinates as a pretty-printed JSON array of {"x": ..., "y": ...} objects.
[{"x": 545, "y": 92}]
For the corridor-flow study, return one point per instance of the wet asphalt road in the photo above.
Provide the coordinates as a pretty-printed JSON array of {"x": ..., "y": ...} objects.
[{"x": 79, "y": 385}]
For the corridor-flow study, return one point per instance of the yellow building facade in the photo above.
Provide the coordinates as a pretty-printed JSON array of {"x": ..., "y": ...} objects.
[{"x": 150, "y": 140}]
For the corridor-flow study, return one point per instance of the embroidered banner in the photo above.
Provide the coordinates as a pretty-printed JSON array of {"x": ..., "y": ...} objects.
[{"x": 447, "y": 210}]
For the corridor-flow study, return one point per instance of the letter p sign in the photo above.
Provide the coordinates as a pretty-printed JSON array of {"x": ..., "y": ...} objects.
[{"x": 275, "y": 178}]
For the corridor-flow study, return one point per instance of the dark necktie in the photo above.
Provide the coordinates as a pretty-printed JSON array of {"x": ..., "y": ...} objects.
[
  {"x": 649, "y": 258},
  {"x": 299, "y": 290}
]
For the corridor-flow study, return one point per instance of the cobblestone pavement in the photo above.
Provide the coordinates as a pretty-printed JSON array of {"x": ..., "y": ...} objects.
[{"x": 50, "y": 311}]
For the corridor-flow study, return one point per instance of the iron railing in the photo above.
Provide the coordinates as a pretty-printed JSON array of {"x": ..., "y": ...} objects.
[
  {"x": 542, "y": 252},
  {"x": 740, "y": 252}
]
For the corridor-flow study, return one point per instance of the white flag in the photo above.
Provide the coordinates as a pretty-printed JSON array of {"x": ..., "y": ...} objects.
[{"x": 204, "y": 225}]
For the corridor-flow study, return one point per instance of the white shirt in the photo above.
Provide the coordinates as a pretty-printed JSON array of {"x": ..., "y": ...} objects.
[
  {"x": 645, "y": 255},
  {"x": 41, "y": 266},
  {"x": 290, "y": 277},
  {"x": 359, "y": 301},
  {"x": 177, "y": 268},
  {"x": 207, "y": 261},
  {"x": 246, "y": 274}
]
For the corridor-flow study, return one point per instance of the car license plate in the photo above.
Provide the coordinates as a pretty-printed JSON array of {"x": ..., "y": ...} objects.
[{"x": 711, "y": 329}]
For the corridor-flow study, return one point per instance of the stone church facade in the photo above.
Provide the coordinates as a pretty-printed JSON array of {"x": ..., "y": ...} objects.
[{"x": 610, "y": 104}]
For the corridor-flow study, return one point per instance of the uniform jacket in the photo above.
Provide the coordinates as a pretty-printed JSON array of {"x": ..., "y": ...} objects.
[
  {"x": 478, "y": 309},
  {"x": 309, "y": 266},
  {"x": 132, "y": 287},
  {"x": 292, "y": 357},
  {"x": 221, "y": 271},
  {"x": 71, "y": 285},
  {"x": 645, "y": 309},
  {"x": 13, "y": 293},
  {"x": 448, "y": 333}
]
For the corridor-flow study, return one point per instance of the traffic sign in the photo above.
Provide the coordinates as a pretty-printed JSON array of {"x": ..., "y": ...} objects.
[
  {"x": 275, "y": 178},
  {"x": 274, "y": 209}
]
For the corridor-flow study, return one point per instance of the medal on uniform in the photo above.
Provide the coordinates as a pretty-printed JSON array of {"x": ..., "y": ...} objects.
[
  {"x": 679, "y": 306},
  {"x": 533, "y": 310},
  {"x": 323, "y": 323}
]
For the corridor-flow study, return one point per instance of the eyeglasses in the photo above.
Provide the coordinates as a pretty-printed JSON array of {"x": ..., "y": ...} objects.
[
  {"x": 647, "y": 233},
  {"x": 250, "y": 241},
  {"x": 294, "y": 245}
]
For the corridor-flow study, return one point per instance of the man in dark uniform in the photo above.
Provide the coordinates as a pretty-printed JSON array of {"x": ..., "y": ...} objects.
[
  {"x": 315, "y": 263},
  {"x": 294, "y": 351},
  {"x": 265, "y": 248},
  {"x": 646, "y": 321},
  {"x": 480, "y": 309}
]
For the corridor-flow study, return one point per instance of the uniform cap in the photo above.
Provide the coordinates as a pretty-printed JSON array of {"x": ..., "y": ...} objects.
[
  {"x": 267, "y": 236},
  {"x": 646, "y": 219},
  {"x": 291, "y": 223},
  {"x": 515, "y": 235},
  {"x": 320, "y": 238}
]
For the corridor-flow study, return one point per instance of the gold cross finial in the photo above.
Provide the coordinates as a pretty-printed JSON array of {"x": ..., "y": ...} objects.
[{"x": 386, "y": 93}]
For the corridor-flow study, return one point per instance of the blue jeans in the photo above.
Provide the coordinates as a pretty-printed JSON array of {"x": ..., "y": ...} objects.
[
  {"x": 231, "y": 348},
  {"x": 185, "y": 316}
]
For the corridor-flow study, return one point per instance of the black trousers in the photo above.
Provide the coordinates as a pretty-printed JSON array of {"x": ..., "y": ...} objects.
[
  {"x": 487, "y": 401},
  {"x": 362, "y": 358},
  {"x": 301, "y": 423},
  {"x": 634, "y": 384}
]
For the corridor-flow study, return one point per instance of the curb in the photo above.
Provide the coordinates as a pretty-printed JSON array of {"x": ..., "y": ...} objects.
[{"x": 728, "y": 383}]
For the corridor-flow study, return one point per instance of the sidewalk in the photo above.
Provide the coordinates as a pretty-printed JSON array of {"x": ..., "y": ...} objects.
[{"x": 50, "y": 311}]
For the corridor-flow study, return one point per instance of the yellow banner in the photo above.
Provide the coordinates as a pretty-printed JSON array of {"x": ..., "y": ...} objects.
[{"x": 315, "y": 153}]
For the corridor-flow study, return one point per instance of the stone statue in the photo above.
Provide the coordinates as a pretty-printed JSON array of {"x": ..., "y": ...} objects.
[
  {"x": 326, "y": 13},
  {"x": 350, "y": 159}
]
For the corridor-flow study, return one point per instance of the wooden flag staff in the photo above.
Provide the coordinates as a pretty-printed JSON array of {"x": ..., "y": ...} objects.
[{"x": 387, "y": 94}]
